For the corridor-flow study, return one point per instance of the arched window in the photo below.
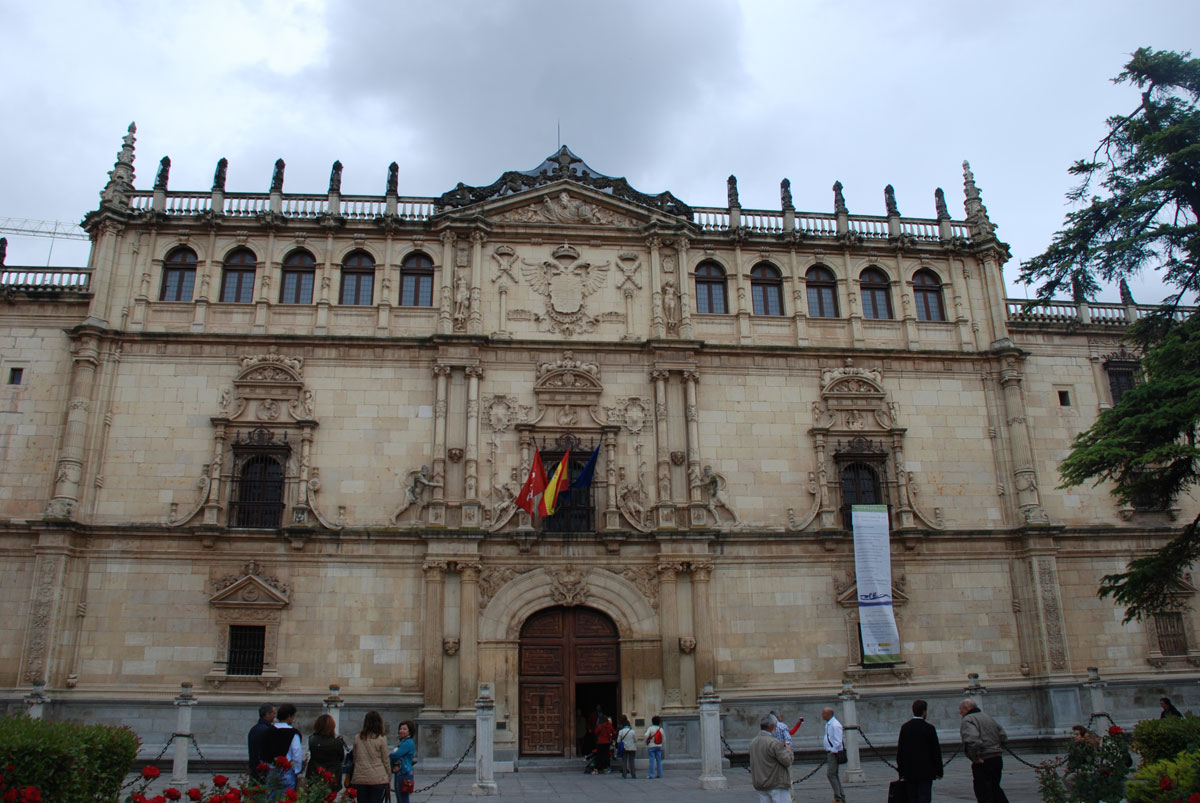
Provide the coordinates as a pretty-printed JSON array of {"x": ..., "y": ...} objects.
[
  {"x": 710, "y": 289},
  {"x": 237, "y": 277},
  {"x": 416, "y": 281},
  {"x": 766, "y": 289},
  {"x": 179, "y": 275},
  {"x": 927, "y": 292},
  {"x": 358, "y": 280},
  {"x": 876, "y": 293},
  {"x": 822, "y": 292},
  {"x": 299, "y": 274},
  {"x": 259, "y": 496}
]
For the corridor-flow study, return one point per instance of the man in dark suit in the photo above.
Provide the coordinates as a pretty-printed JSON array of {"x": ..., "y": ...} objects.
[
  {"x": 919, "y": 755},
  {"x": 254, "y": 739}
]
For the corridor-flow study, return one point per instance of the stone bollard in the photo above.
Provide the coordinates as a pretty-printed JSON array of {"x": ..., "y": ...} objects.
[
  {"x": 333, "y": 706},
  {"x": 183, "y": 733},
  {"x": 711, "y": 774},
  {"x": 1095, "y": 687},
  {"x": 36, "y": 700},
  {"x": 485, "y": 736},
  {"x": 848, "y": 696}
]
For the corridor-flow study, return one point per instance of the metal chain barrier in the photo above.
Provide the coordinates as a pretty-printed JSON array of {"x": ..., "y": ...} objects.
[
  {"x": 730, "y": 755},
  {"x": 811, "y": 774},
  {"x": 204, "y": 761},
  {"x": 449, "y": 772},
  {"x": 953, "y": 756},
  {"x": 875, "y": 750},
  {"x": 155, "y": 760}
]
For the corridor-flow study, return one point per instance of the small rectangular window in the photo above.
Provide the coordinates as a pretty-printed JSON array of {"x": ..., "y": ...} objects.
[
  {"x": 247, "y": 644},
  {"x": 15, "y": 375},
  {"x": 1172, "y": 638},
  {"x": 1064, "y": 398}
]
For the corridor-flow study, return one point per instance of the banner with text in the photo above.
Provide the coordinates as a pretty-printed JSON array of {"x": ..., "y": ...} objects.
[{"x": 873, "y": 566}]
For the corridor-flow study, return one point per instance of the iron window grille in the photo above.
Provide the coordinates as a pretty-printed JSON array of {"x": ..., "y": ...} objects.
[
  {"x": 247, "y": 648},
  {"x": 258, "y": 487},
  {"x": 574, "y": 512}
]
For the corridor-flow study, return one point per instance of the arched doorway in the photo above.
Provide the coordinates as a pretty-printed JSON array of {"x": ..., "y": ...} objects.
[{"x": 568, "y": 658}]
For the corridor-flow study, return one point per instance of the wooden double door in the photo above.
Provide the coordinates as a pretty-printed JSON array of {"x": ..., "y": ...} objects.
[{"x": 569, "y": 658}]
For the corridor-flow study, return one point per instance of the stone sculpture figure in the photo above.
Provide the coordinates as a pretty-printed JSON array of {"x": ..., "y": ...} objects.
[
  {"x": 731, "y": 188},
  {"x": 393, "y": 181},
  {"x": 335, "y": 177},
  {"x": 462, "y": 299},
  {"x": 164, "y": 172},
  {"x": 670, "y": 301},
  {"x": 889, "y": 200},
  {"x": 716, "y": 487},
  {"x": 418, "y": 481},
  {"x": 839, "y": 200},
  {"x": 1126, "y": 295},
  {"x": 939, "y": 203},
  {"x": 277, "y": 176},
  {"x": 3, "y": 249},
  {"x": 219, "y": 175},
  {"x": 785, "y": 194}
]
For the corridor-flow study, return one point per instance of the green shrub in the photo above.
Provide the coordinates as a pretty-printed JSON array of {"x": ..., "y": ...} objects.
[
  {"x": 1093, "y": 771},
  {"x": 1156, "y": 739},
  {"x": 66, "y": 761},
  {"x": 1166, "y": 780}
]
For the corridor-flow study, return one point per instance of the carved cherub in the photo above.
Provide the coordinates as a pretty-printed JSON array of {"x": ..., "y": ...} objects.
[
  {"x": 715, "y": 486},
  {"x": 419, "y": 480}
]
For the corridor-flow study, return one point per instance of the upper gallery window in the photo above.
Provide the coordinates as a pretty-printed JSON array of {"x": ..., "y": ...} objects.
[
  {"x": 927, "y": 292},
  {"x": 299, "y": 274},
  {"x": 876, "y": 294},
  {"x": 822, "y": 292},
  {"x": 358, "y": 279},
  {"x": 237, "y": 277},
  {"x": 766, "y": 288},
  {"x": 258, "y": 492},
  {"x": 416, "y": 281},
  {"x": 179, "y": 275},
  {"x": 1123, "y": 373},
  {"x": 710, "y": 289}
]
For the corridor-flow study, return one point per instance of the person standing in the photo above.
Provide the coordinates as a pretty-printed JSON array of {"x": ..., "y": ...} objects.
[
  {"x": 283, "y": 749},
  {"x": 982, "y": 738},
  {"x": 627, "y": 738},
  {"x": 326, "y": 751},
  {"x": 402, "y": 760},
  {"x": 833, "y": 745},
  {"x": 605, "y": 734},
  {"x": 654, "y": 747},
  {"x": 372, "y": 768},
  {"x": 1168, "y": 708},
  {"x": 770, "y": 764},
  {"x": 919, "y": 755},
  {"x": 254, "y": 739}
]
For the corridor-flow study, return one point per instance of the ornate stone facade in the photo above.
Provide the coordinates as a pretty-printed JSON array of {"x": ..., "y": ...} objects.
[{"x": 176, "y": 427}]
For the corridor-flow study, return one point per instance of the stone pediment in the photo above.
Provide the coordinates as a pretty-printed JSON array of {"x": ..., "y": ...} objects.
[
  {"x": 565, "y": 205},
  {"x": 249, "y": 590},
  {"x": 594, "y": 194}
]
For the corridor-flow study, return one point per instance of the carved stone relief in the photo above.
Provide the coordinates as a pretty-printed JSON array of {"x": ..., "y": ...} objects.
[
  {"x": 565, "y": 282},
  {"x": 564, "y": 208},
  {"x": 568, "y": 586}
]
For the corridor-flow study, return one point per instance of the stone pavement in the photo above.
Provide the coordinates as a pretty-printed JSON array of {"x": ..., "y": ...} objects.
[{"x": 680, "y": 785}]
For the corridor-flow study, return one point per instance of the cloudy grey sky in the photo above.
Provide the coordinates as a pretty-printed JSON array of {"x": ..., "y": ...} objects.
[{"x": 672, "y": 94}]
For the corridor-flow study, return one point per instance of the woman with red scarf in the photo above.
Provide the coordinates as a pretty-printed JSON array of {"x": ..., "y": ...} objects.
[{"x": 605, "y": 733}]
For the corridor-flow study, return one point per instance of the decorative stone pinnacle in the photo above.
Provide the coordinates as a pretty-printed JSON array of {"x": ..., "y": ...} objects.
[
  {"x": 335, "y": 177},
  {"x": 785, "y": 195},
  {"x": 120, "y": 178},
  {"x": 839, "y": 200},
  {"x": 889, "y": 200},
  {"x": 164, "y": 174},
  {"x": 977, "y": 213},
  {"x": 393, "y": 179},
  {"x": 939, "y": 203},
  {"x": 732, "y": 190},
  {"x": 277, "y": 176},
  {"x": 219, "y": 175}
]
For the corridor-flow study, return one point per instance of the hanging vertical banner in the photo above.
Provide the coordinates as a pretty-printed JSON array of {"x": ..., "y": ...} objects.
[{"x": 873, "y": 566}]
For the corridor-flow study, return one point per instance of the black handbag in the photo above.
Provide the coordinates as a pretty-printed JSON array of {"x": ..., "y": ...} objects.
[
  {"x": 898, "y": 791},
  {"x": 842, "y": 758}
]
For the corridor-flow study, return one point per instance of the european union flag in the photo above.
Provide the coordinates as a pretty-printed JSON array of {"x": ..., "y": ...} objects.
[{"x": 584, "y": 480}]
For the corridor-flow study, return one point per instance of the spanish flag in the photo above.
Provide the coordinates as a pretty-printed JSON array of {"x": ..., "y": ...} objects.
[
  {"x": 534, "y": 485},
  {"x": 557, "y": 484}
]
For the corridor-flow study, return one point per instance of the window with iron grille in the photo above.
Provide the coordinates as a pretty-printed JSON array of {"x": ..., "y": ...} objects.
[
  {"x": 573, "y": 512},
  {"x": 257, "y": 495},
  {"x": 1172, "y": 639},
  {"x": 247, "y": 646},
  {"x": 1121, "y": 379}
]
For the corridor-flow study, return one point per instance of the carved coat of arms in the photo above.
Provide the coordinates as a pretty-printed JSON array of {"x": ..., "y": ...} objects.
[{"x": 565, "y": 282}]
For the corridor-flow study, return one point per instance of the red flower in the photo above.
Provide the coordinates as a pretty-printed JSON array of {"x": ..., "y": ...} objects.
[
  {"x": 171, "y": 793},
  {"x": 1194, "y": 797},
  {"x": 351, "y": 792},
  {"x": 283, "y": 763},
  {"x": 326, "y": 776},
  {"x": 150, "y": 772},
  {"x": 1114, "y": 730},
  {"x": 1166, "y": 782},
  {"x": 138, "y": 797},
  {"x": 262, "y": 768},
  {"x": 195, "y": 794},
  {"x": 290, "y": 794},
  {"x": 329, "y": 798},
  {"x": 158, "y": 799},
  {"x": 31, "y": 794},
  {"x": 10, "y": 796},
  {"x": 220, "y": 780},
  {"x": 234, "y": 795}
]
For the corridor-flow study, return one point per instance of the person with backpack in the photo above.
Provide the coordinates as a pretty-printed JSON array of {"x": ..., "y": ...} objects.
[
  {"x": 654, "y": 745},
  {"x": 626, "y": 747}
]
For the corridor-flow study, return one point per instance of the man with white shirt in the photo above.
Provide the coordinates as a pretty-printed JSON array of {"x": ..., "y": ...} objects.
[
  {"x": 833, "y": 745},
  {"x": 284, "y": 741}
]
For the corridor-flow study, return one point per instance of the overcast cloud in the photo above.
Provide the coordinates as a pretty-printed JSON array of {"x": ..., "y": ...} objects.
[{"x": 672, "y": 95}]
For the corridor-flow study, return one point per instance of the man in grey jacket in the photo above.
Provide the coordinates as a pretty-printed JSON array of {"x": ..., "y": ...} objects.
[
  {"x": 982, "y": 738},
  {"x": 770, "y": 765}
]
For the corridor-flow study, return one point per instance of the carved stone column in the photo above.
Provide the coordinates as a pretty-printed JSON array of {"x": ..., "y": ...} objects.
[
  {"x": 702, "y": 625},
  {"x": 993, "y": 283},
  {"x": 445, "y": 323},
  {"x": 271, "y": 271},
  {"x": 45, "y": 602},
  {"x": 204, "y": 284},
  {"x": 437, "y": 508},
  {"x": 685, "y": 292},
  {"x": 612, "y": 516},
  {"x": 1024, "y": 473},
  {"x": 85, "y": 358},
  {"x": 665, "y": 506},
  {"x": 742, "y": 310},
  {"x": 668, "y": 612},
  {"x": 468, "y": 632},
  {"x": 474, "y": 316},
  {"x": 471, "y": 509},
  {"x": 435, "y": 602},
  {"x": 656, "y": 326},
  {"x": 690, "y": 380},
  {"x": 102, "y": 258}
]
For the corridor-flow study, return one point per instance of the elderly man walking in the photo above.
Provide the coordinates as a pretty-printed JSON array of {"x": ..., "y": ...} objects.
[
  {"x": 770, "y": 765},
  {"x": 982, "y": 738},
  {"x": 833, "y": 745}
]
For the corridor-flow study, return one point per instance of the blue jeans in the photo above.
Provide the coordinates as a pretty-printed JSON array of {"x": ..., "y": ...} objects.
[
  {"x": 396, "y": 779},
  {"x": 655, "y": 768}
]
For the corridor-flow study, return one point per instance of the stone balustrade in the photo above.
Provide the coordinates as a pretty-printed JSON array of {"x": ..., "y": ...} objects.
[{"x": 78, "y": 280}]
